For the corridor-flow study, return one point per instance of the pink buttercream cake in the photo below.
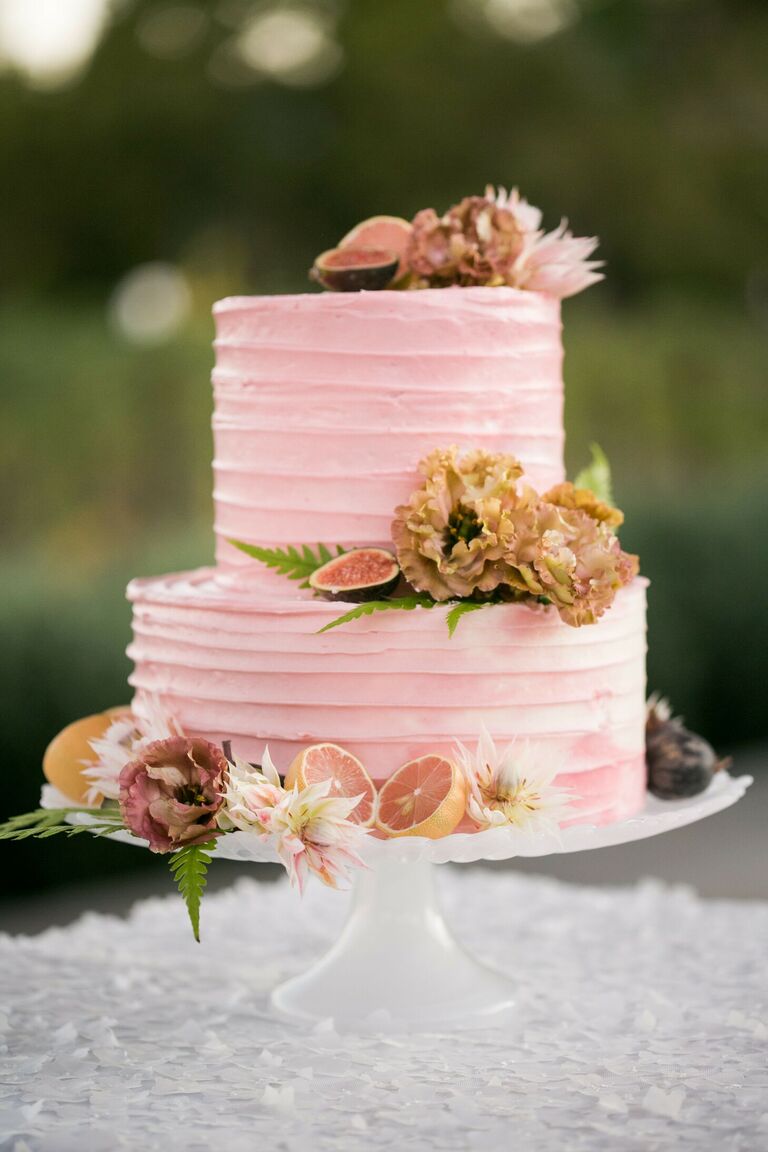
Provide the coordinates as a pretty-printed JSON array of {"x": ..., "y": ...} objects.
[{"x": 324, "y": 404}]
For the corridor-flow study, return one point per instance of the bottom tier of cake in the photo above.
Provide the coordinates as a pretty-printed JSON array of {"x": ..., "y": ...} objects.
[{"x": 240, "y": 658}]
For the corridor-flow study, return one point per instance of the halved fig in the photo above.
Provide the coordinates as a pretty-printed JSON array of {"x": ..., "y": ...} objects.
[
  {"x": 355, "y": 269},
  {"x": 361, "y": 574},
  {"x": 389, "y": 232}
]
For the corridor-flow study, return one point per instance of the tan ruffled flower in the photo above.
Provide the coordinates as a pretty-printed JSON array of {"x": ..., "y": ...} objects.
[
  {"x": 476, "y": 242},
  {"x": 567, "y": 496},
  {"x": 452, "y": 536},
  {"x": 569, "y": 558}
]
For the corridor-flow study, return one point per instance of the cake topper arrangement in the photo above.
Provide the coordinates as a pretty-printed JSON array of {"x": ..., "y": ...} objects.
[
  {"x": 495, "y": 240},
  {"x": 472, "y": 536}
]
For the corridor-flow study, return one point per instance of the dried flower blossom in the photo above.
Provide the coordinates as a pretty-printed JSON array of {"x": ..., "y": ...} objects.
[
  {"x": 557, "y": 263},
  {"x": 309, "y": 829},
  {"x": 171, "y": 793},
  {"x": 475, "y": 242},
  {"x": 452, "y": 536},
  {"x": 250, "y": 796},
  {"x": 494, "y": 240},
  {"x": 122, "y": 742},
  {"x": 312, "y": 833},
  {"x": 571, "y": 559},
  {"x": 514, "y": 785},
  {"x": 566, "y": 495}
]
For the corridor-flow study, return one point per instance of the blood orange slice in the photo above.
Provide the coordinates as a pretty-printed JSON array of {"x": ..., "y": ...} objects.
[
  {"x": 348, "y": 777},
  {"x": 426, "y": 797}
]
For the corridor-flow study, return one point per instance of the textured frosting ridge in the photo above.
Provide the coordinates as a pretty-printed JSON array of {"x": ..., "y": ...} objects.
[
  {"x": 324, "y": 404},
  {"x": 235, "y": 661}
]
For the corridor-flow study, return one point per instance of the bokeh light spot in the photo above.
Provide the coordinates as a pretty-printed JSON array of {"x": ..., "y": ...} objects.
[
  {"x": 292, "y": 45},
  {"x": 150, "y": 303},
  {"x": 50, "y": 41}
]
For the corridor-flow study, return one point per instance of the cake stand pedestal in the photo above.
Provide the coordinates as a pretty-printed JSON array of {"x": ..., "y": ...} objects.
[{"x": 396, "y": 961}]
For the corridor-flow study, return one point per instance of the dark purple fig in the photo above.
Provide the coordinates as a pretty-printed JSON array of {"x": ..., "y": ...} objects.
[
  {"x": 362, "y": 574},
  {"x": 355, "y": 269},
  {"x": 680, "y": 763}
]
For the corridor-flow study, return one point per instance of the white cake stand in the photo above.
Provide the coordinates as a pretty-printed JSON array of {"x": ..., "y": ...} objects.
[{"x": 396, "y": 960}]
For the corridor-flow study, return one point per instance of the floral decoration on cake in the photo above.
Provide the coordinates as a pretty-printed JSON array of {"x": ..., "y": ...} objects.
[
  {"x": 138, "y": 773},
  {"x": 494, "y": 240},
  {"x": 473, "y": 535}
]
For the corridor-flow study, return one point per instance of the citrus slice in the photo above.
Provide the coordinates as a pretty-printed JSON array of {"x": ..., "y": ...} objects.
[
  {"x": 390, "y": 232},
  {"x": 63, "y": 761},
  {"x": 426, "y": 797},
  {"x": 348, "y": 777}
]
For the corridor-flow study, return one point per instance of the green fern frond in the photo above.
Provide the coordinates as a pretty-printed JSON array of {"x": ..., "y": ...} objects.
[
  {"x": 460, "y": 609},
  {"x": 46, "y": 822},
  {"x": 291, "y": 562},
  {"x": 189, "y": 867},
  {"x": 401, "y": 603}
]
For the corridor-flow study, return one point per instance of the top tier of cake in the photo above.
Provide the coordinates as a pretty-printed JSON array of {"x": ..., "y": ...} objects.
[{"x": 324, "y": 404}]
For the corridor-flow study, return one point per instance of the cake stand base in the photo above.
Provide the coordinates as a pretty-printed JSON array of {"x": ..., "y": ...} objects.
[{"x": 395, "y": 961}]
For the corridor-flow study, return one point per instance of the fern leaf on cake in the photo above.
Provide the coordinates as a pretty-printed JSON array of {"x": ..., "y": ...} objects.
[
  {"x": 460, "y": 609},
  {"x": 291, "y": 562},
  {"x": 189, "y": 868},
  {"x": 46, "y": 822},
  {"x": 369, "y": 607}
]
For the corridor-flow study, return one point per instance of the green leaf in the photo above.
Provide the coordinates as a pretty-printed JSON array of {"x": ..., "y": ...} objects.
[
  {"x": 295, "y": 564},
  {"x": 597, "y": 475},
  {"x": 400, "y": 603},
  {"x": 460, "y": 609},
  {"x": 189, "y": 867},
  {"x": 45, "y": 822}
]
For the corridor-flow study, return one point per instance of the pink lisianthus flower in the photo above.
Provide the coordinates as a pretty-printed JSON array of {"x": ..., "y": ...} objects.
[{"x": 171, "y": 794}]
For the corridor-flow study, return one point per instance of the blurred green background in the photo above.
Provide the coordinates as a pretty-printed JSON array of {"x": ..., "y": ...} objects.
[{"x": 156, "y": 156}]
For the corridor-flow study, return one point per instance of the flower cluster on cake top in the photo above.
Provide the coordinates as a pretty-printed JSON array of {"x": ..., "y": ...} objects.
[{"x": 493, "y": 240}]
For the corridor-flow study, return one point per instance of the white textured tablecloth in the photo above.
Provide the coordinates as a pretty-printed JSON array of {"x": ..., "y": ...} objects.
[{"x": 642, "y": 1026}]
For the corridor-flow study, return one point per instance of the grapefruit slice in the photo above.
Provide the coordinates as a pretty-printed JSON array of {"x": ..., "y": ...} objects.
[
  {"x": 390, "y": 232},
  {"x": 426, "y": 797},
  {"x": 348, "y": 777}
]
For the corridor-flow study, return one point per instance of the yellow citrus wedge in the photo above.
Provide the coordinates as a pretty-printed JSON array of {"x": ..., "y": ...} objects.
[
  {"x": 63, "y": 760},
  {"x": 426, "y": 797},
  {"x": 348, "y": 777}
]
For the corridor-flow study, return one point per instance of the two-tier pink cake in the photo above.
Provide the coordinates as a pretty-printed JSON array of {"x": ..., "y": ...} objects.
[{"x": 324, "y": 404}]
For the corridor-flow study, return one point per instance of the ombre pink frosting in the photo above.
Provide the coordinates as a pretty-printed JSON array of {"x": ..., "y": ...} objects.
[{"x": 326, "y": 403}]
